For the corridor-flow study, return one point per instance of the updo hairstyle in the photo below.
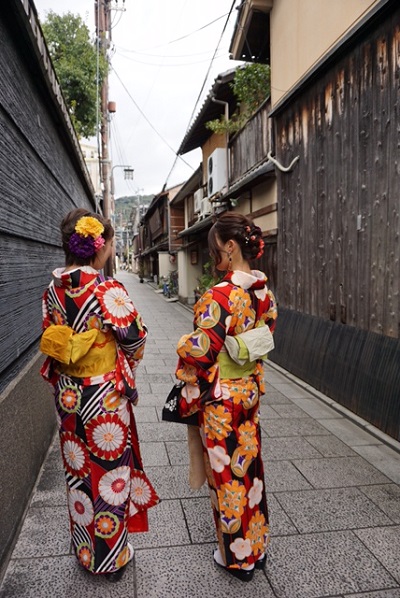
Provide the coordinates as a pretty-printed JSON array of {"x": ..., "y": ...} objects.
[
  {"x": 232, "y": 225},
  {"x": 67, "y": 228}
]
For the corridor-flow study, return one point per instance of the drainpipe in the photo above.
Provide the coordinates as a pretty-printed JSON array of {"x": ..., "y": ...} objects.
[{"x": 226, "y": 104}]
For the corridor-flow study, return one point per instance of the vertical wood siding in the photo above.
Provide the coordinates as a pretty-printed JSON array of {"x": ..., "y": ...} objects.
[
  {"x": 339, "y": 235},
  {"x": 41, "y": 179},
  {"x": 345, "y": 130}
]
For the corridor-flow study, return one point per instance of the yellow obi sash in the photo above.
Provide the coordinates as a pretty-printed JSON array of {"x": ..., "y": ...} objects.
[
  {"x": 230, "y": 369},
  {"x": 83, "y": 354}
]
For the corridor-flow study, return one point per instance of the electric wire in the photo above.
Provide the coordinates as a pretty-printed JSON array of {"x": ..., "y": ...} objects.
[
  {"x": 169, "y": 65},
  {"x": 202, "y": 88},
  {"x": 189, "y": 34},
  {"x": 148, "y": 121}
]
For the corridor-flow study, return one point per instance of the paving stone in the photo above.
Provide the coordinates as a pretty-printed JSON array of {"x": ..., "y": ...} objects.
[
  {"x": 324, "y": 564},
  {"x": 380, "y": 594},
  {"x": 160, "y": 371},
  {"x": 384, "y": 543},
  {"x": 199, "y": 517},
  {"x": 156, "y": 377},
  {"x": 330, "y": 446},
  {"x": 283, "y": 475},
  {"x": 280, "y": 524},
  {"x": 189, "y": 571},
  {"x": 387, "y": 497},
  {"x": 51, "y": 490},
  {"x": 383, "y": 458},
  {"x": 145, "y": 414},
  {"x": 153, "y": 432},
  {"x": 154, "y": 454},
  {"x": 178, "y": 453},
  {"x": 317, "y": 409},
  {"x": 167, "y": 527},
  {"x": 162, "y": 388},
  {"x": 339, "y": 472},
  {"x": 291, "y": 411},
  {"x": 45, "y": 532},
  {"x": 288, "y": 448},
  {"x": 274, "y": 397},
  {"x": 329, "y": 510},
  {"x": 348, "y": 432},
  {"x": 61, "y": 577},
  {"x": 267, "y": 412},
  {"x": 291, "y": 390},
  {"x": 173, "y": 482},
  {"x": 293, "y": 427}
]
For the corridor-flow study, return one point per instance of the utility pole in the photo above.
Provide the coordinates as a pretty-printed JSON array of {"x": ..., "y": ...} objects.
[{"x": 103, "y": 33}]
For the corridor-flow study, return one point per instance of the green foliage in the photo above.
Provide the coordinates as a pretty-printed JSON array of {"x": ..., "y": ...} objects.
[
  {"x": 74, "y": 58},
  {"x": 207, "y": 279},
  {"x": 251, "y": 86}
]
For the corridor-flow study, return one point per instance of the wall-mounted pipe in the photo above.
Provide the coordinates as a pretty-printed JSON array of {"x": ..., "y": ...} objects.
[{"x": 278, "y": 165}]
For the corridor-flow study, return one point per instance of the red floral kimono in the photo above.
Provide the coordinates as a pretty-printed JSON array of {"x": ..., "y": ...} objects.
[
  {"x": 230, "y": 424},
  {"x": 94, "y": 339}
]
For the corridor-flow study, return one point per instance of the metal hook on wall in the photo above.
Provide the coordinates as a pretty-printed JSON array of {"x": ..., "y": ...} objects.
[{"x": 283, "y": 168}]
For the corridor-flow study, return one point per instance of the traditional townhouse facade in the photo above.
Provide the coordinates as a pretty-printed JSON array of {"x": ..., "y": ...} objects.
[
  {"x": 152, "y": 257},
  {"x": 235, "y": 174},
  {"x": 334, "y": 107}
]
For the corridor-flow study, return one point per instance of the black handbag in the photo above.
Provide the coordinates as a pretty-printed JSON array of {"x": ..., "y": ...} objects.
[{"x": 170, "y": 411}]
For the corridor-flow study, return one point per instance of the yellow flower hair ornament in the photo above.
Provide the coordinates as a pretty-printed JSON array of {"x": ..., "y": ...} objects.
[{"x": 87, "y": 239}]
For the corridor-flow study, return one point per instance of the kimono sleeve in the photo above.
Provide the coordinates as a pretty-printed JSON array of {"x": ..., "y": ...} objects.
[
  {"x": 201, "y": 347},
  {"x": 121, "y": 315}
]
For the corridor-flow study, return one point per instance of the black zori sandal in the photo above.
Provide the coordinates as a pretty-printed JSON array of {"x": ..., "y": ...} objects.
[{"x": 242, "y": 574}]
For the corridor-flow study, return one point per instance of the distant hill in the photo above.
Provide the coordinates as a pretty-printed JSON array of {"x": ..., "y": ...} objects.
[{"x": 124, "y": 206}]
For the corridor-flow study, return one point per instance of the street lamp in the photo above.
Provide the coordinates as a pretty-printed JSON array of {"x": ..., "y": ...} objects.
[{"x": 128, "y": 174}]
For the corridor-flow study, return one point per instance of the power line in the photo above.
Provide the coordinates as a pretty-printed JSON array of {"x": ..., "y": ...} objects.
[
  {"x": 202, "y": 87},
  {"x": 167, "y": 65},
  {"x": 189, "y": 34},
  {"x": 148, "y": 122}
]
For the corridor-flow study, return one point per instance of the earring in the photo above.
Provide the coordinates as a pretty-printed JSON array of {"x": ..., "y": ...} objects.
[{"x": 229, "y": 262}]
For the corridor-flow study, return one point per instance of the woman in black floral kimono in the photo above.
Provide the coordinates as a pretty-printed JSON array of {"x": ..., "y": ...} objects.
[{"x": 94, "y": 339}]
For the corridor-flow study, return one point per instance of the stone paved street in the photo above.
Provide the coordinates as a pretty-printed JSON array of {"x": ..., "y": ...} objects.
[{"x": 333, "y": 487}]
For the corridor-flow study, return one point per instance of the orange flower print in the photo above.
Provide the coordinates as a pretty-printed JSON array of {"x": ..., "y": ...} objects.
[
  {"x": 123, "y": 557},
  {"x": 217, "y": 422},
  {"x": 232, "y": 499},
  {"x": 257, "y": 533},
  {"x": 85, "y": 556},
  {"x": 248, "y": 440}
]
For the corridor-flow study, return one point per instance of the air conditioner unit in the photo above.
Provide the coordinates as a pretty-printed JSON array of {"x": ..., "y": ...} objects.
[
  {"x": 216, "y": 171},
  {"x": 206, "y": 207},
  {"x": 198, "y": 196}
]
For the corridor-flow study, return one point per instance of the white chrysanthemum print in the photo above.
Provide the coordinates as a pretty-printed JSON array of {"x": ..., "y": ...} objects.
[
  {"x": 124, "y": 413},
  {"x": 80, "y": 507},
  {"x": 140, "y": 491},
  {"x": 241, "y": 548},
  {"x": 109, "y": 436},
  {"x": 106, "y": 436},
  {"x": 114, "y": 486},
  {"x": 255, "y": 493},
  {"x": 117, "y": 302},
  {"x": 218, "y": 458},
  {"x": 73, "y": 454}
]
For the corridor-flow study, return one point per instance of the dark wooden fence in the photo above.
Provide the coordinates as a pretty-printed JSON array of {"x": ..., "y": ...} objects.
[
  {"x": 251, "y": 144},
  {"x": 42, "y": 176},
  {"x": 339, "y": 233}
]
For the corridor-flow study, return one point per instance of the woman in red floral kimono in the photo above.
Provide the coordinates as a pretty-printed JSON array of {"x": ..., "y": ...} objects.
[
  {"x": 224, "y": 355},
  {"x": 94, "y": 339}
]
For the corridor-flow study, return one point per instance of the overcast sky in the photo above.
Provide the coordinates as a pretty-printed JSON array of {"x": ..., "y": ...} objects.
[{"x": 161, "y": 75}]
